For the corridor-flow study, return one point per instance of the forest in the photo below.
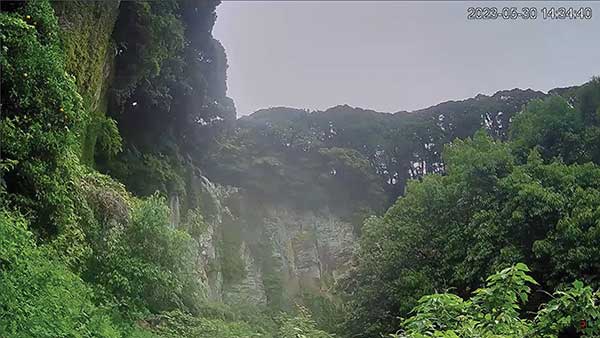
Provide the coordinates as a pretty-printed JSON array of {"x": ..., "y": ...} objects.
[{"x": 135, "y": 204}]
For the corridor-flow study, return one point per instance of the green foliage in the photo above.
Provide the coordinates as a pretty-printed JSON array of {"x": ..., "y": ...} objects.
[
  {"x": 105, "y": 258},
  {"x": 147, "y": 34},
  {"x": 87, "y": 258},
  {"x": 168, "y": 85},
  {"x": 88, "y": 52},
  {"x": 194, "y": 223},
  {"x": 302, "y": 326},
  {"x": 41, "y": 111},
  {"x": 552, "y": 125},
  {"x": 280, "y": 165},
  {"x": 569, "y": 130},
  {"x": 493, "y": 311},
  {"x": 121, "y": 252},
  {"x": 352, "y": 173},
  {"x": 437, "y": 312},
  {"x": 509, "y": 206},
  {"x": 325, "y": 310},
  {"x": 147, "y": 265},
  {"x": 40, "y": 296},
  {"x": 235, "y": 324},
  {"x": 569, "y": 308},
  {"x": 145, "y": 173},
  {"x": 41, "y": 123},
  {"x": 233, "y": 266},
  {"x": 108, "y": 137}
]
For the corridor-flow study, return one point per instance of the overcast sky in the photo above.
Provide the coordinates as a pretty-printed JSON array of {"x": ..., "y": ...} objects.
[{"x": 391, "y": 56}]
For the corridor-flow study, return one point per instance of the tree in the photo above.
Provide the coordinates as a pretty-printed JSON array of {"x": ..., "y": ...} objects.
[{"x": 486, "y": 212}]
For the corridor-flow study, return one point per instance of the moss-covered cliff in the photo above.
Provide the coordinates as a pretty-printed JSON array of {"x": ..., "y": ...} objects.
[{"x": 89, "y": 51}]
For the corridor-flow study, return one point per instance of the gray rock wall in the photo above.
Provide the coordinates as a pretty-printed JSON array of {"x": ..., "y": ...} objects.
[{"x": 303, "y": 251}]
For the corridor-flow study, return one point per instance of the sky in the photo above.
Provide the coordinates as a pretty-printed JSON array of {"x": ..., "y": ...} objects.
[{"x": 396, "y": 55}]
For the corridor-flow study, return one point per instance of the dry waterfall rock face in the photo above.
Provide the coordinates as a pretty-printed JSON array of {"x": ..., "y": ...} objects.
[
  {"x": 297, "y": 250},
  {"x": 311, "y": 247},
  {"x": 250, "y": 290},
  {"x": 207, "y": 261}
]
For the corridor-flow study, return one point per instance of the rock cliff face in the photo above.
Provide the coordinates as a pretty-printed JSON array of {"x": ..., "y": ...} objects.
[
  {"x": 250, "y": 289},
  {"x": 284, "y": 252},
  {"x": 311, "y": 247}
]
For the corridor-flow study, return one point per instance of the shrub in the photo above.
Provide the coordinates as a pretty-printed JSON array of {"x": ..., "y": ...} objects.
[
  {"x": 40, "y": 124},
  {"x": 40, "y": 296},
  {"x": 149, "y": 265},
  {"x": 493, "y": 311},
  {"x": 301, "y": 325}
]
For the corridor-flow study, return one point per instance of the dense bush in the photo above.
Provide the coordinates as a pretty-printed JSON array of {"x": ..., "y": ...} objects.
[
  {"x": 143, "y": 264},
  {"x": 176, "y": 324},
  {"x": 41, "y": 119},
  {"x": 40, "y": 296},
  {"x": 301, "y": 325},
  {"x": 493, "y": 311}
]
